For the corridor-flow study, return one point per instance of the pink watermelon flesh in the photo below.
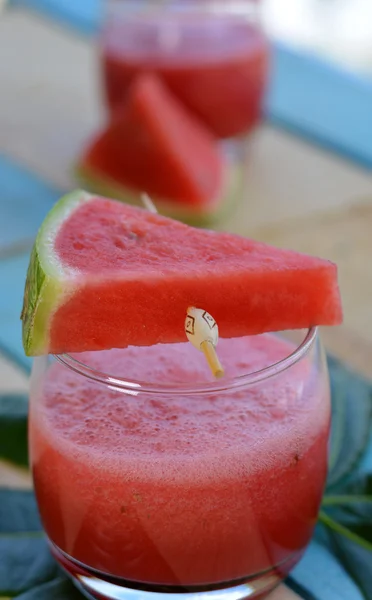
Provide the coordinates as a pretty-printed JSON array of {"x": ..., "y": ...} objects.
[
  {"x": 154, "y": 144},
  {"x": 139, "y": 272}
]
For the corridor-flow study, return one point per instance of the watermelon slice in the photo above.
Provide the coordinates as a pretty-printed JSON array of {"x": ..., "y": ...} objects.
[
  {"x": 154, "y": 144},
  {"x": 203, "y": 215},
  {"x": 105, "y": 274}
]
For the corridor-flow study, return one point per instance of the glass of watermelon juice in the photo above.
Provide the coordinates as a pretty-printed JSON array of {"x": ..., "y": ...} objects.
[
  {"x": 153, "y": 479},
  {"x": 212, "y": 55},
  {"x": 184, "y": 83}
]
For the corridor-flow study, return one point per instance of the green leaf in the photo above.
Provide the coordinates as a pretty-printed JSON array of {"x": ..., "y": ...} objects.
[
  {"x": 27, "y": 568},
  {"x": 351, "y": 422},
  {"x": 353, "y": 551},
  {"x": 18, "y": 512},
  {"x": 13, "y": 428},
  {"x": 345, "y": 500},
  {"x": 357, "y": 562},
  {"x": 346, "y": 532},
  {"x": 25, "y": 562},
  {"x": 353, "y": 508},
  {"x": 348, "y": 521},
  {"x": 59, "y": 588},
  {"x": 360, "y": 486}
]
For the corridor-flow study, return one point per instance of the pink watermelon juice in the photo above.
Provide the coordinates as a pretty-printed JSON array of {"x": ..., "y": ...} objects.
[
  {"x": 215, "y": 64},
  {"x": 181, "y": 489}
]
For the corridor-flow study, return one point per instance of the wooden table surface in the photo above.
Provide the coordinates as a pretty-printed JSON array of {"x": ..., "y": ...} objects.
[{"x": 297, "y": 196}]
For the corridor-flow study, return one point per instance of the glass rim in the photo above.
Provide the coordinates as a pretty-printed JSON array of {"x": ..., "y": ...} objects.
[
  {"x": 135, "y": 387},
  {"x": 139, "y": 8},
  {"x": 242, "y": 4}
]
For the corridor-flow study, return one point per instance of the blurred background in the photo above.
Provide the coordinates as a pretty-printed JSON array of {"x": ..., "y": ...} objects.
[
  {"x": 306, "y": 158},
  {"x": 337, "y": 30}
]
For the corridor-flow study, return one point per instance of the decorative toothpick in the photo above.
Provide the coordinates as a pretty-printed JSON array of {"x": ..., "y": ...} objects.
[{"x": 202, "y": 331}]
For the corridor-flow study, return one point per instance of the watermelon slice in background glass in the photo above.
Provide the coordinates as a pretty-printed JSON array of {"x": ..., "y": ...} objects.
[{"x": 154, "y": 144}]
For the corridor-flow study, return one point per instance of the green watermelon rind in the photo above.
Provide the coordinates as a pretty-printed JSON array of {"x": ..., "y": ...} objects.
[
  {"x": 200, "y": 216},
  {"x": 47, "y": 282}
]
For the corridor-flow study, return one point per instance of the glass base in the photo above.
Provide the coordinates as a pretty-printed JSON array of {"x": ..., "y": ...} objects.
[{"x": 96, "y": 586}]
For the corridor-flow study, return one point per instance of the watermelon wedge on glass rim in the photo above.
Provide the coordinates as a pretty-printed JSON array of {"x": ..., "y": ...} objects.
[
  {"x": 154, "y": 144},
  {"x": 104, "y": 274}
]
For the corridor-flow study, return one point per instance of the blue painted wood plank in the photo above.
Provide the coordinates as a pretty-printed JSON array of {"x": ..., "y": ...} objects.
[
  {"x": 82, "y": 15},
  {"x": 321, "y": 102},
  {"x": 24, "y": 201},
  {"x": 323, "y": 576},
  {"x": 12, "y": 278}
]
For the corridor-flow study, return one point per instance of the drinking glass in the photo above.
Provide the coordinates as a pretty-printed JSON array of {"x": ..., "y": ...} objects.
[
  {"x": 212, "y": 56},
  {"x": 175, "y": 485}
]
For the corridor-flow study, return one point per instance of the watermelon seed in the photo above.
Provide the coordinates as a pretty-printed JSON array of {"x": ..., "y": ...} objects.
[{"x": 78, "y": 246}]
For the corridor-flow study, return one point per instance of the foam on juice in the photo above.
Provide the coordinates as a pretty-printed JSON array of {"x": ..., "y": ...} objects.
[
  {"x": 253, "y": 425},
  {"x": 192, "y": 39}
]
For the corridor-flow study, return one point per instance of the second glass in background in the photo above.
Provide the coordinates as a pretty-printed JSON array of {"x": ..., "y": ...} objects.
[{"x": 212, "y": 57}]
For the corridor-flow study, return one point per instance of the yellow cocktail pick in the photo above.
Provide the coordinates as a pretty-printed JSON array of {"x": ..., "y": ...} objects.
[{"x": 202, "y": 331}]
